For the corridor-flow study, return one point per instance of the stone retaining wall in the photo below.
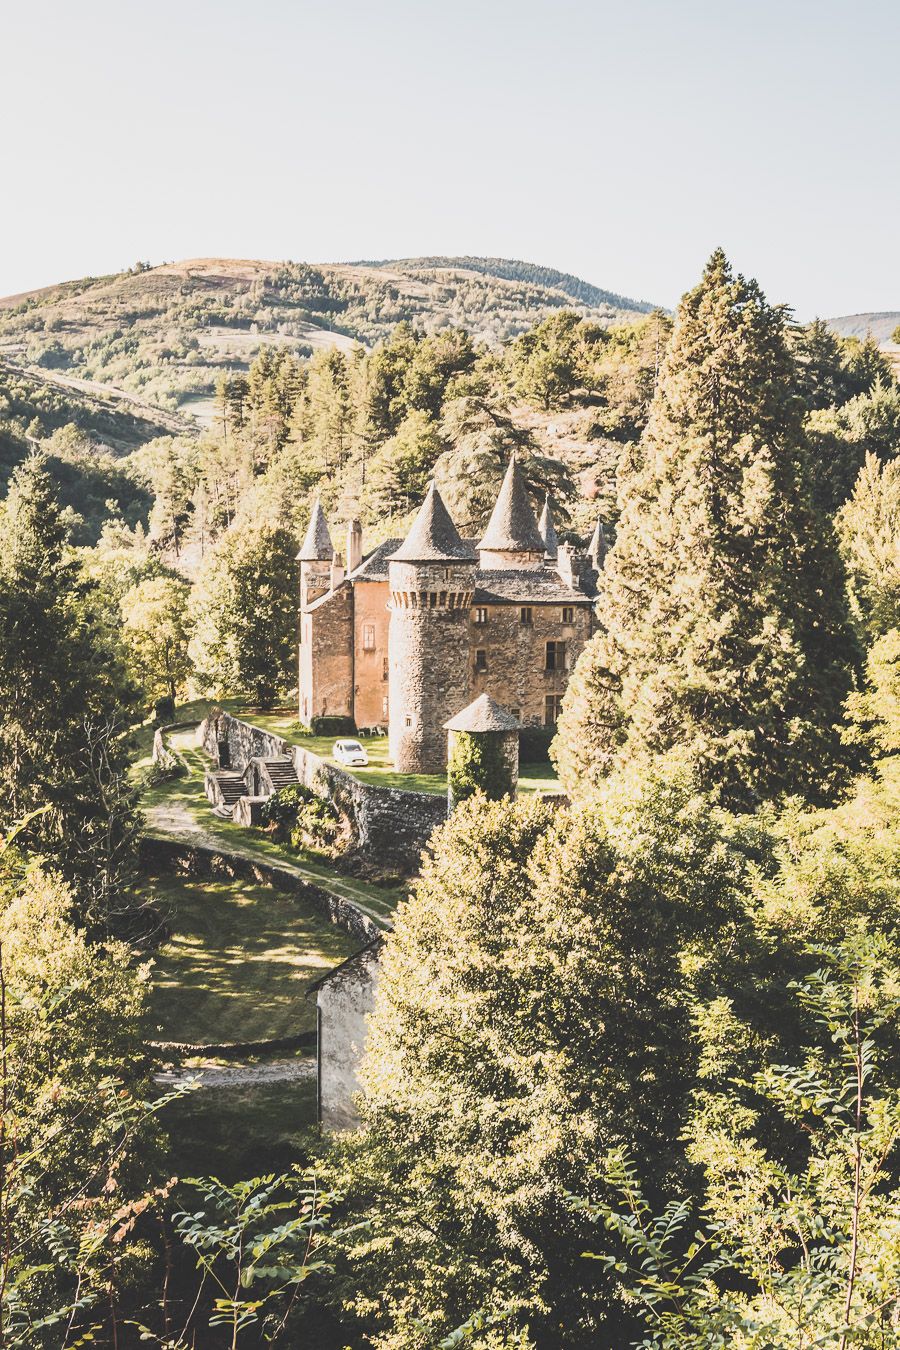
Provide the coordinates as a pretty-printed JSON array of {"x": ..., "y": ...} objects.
[
  {"x": 304, "y": 1040},
  {"x": 389, "y": 826},
  {"x": 200, "y": 860}
]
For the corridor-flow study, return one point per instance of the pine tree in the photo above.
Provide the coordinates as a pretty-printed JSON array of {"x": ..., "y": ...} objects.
[
  {"x": 722, "y": 603},
  {"x": 63, "y": 703}
]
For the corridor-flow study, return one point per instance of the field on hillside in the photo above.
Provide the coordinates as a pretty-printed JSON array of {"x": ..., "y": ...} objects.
[{"x": 163, "y": 335}]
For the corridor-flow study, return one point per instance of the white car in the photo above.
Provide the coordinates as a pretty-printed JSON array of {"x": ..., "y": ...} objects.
[{"x": 350, "y": 753}]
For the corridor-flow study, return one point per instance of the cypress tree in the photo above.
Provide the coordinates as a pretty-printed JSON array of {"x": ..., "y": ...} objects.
[{"x": 722, "y": 600}]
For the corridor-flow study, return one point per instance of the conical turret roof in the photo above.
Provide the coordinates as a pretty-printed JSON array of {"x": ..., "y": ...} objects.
[
  {"x": 484, "y": 714},
  {"x": 512, "y": 527},
  {"x": 317, "y": 546},
  {"x": 597, "y": 546},
  {"x": 433, "y": 537},
  {"x": 548, "y": 529}
]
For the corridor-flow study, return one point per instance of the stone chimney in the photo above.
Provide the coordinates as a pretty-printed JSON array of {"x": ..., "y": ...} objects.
[
  {"x": 568, "y": 566},
  {"x": 354, "y": 545},
  {"x": 337, "y": 571}
]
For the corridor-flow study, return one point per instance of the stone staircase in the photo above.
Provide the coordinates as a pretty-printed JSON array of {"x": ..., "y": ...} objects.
[
  {"x": 228, "y": 787},
  {"x": 281, "y": 772}
]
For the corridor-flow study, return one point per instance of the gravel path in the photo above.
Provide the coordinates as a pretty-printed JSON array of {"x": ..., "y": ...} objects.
[{"x": 239, "y": 1075}]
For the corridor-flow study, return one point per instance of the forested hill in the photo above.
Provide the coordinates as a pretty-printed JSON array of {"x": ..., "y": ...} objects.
[
  {"x": 880, "y": 326},
  {"x": 511, "y": 269},
  {"x": 167, "y": 333}
]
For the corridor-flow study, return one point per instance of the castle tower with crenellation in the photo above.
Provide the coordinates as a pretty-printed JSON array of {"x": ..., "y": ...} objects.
[{"x": 431, "y": 583}]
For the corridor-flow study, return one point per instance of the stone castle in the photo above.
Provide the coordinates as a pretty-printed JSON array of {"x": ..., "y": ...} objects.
[{"x": 408, "y": 636}]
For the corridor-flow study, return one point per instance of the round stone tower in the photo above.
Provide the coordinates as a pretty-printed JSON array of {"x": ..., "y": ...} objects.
[{"x": 431, "y": 579}]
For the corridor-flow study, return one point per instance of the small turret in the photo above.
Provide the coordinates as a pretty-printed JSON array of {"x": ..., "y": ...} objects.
[
  {"x": 315, "y": 557},
  {"x": 431, "y": 580},
  {"x": 597, "y": 548},
  {"x": 548, "y": 530},
  {"x": 512, "y": 538}
]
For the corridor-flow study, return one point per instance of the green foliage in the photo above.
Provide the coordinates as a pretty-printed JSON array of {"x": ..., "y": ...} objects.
[
  {"x": 842, "y": 438},
  {"x": 333, "y": 726},
  {"x": 256, "y": 1243},
  {"x": 244, "y": 614},
  {"x": 63, "y": 701},
  {"x": 722, "y": 604},
  {"x": 554, "y": 358},
  {"x": 798, "y": 1233},
  {"x": 868, "y": 529},
  {"x": 534, "y": 999},
  {"x": 398, "y": 474},
  {"x": 76, "y": 1139},
  {"x": 477, "y": 764},
  {"x": 155, "y": 635},
  {"x": 301, "y": 818}
]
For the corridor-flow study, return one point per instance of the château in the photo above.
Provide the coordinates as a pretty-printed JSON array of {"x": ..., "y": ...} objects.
[{"x": 406, "y": 637}]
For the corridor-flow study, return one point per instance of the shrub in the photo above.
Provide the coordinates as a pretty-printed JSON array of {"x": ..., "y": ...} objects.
[
  {"x": 299, "y": 818},
  {"x": 534, "y": 744},
  {"x": 332, "y": 726},
  {"x": 477, "y": 764}
]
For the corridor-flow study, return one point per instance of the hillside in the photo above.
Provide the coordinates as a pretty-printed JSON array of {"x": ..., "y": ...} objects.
[
  {"x": 510, "y": 269},
  {"x": 879, "y": 326},
  {"x": 163, "y": 335}
]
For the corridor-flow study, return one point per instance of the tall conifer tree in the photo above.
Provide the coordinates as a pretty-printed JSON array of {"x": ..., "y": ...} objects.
[
  {"x": 63, "y": 700},
  {"x": 722, "y": 600}
]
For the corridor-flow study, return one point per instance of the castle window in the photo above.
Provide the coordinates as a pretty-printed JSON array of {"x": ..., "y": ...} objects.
[
  {"x": 556, "y": 656},
  {"x": 568, "y": 614},
  {"x": 526, "y": 616},
  {"x": 442, "y": 600},
  {"x": 481, "y": 615},
  {"x": 385, "y": 669},
  {"x": 481, "y": 659},
  {"x": 552, "y": 709},
  {"x": 408, "y": 721},
  {"x": 368, "y": 637},
  {"x": 447, "y": 574},
  {"x": 432, "y": 599}
]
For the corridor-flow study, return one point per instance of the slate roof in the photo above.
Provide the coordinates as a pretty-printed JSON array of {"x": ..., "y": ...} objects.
[
  {"x": 375, "y": 566},
  {"x": 548, "y": 530},
  {"x": 433, "y": 537},
  {"x": 526, "y": 586},
  {"x": 317, "y": 546},
  {"x": 372, "y": 948},
  {"x": 485, "y": 714},
  {"x": 512, "y": 527}
]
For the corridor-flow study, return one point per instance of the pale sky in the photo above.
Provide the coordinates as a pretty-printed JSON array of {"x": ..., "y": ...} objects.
[{"x": 620, "y": 141}]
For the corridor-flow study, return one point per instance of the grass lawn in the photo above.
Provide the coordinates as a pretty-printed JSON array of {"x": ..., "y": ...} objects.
[
  {"x": 239, "y": 962},
  {"x": 179, "y": 808}
]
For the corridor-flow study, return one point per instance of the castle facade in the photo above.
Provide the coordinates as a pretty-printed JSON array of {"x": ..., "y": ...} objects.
[{"x": 406, "y": 637}]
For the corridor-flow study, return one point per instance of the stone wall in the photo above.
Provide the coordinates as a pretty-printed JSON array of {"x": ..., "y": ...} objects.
[
  {"x": 344, "y": 1000},
  {"x": 516, "y": 656},
  {"x": 389, "y": 826},
  {"x": 200, "y": 860},
  {"x": 326, "y": 657}
]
